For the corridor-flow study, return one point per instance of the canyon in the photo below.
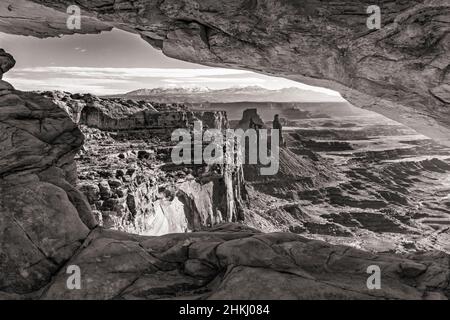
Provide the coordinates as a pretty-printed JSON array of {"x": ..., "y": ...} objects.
[
  {"x": 126, "y": 171},
  {"x": 47, "y": 223}
]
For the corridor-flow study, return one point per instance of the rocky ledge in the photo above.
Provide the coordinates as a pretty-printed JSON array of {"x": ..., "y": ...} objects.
[
  {"x": 233, "y": 262},
  {"x": 46, "y": 225}
]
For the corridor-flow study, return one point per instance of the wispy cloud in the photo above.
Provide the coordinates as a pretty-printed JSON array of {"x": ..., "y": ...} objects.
[
  {"x": 217, "y": 80},
  {"x": 119, "y": 73},
  {"x": 65, "y": 81},
  {"x": 120, "y": 80},
  {"x": 97, "y": 86}
]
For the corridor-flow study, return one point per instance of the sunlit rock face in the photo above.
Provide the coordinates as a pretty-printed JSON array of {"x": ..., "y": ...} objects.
[
  {"x": 132, "y": 185},
  {"x": 400, "y": 71},
  {"x": 126, "y": 172}
]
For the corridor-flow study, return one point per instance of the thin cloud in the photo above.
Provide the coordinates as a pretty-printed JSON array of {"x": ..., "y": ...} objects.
[
  {"x": 202, "y": 80},
  {"x": 132, "y": 72},
  {"x": 64, "y": 81},
  {"x": 103, "y": 81},
  {"x": 96, "y": 86}
]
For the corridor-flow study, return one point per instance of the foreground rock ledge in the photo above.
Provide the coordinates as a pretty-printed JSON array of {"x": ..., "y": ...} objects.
[
  {"x": 46, "y": 225},
  {"x": 400, "y": 71},
  {"x": 231, "y": 262}
]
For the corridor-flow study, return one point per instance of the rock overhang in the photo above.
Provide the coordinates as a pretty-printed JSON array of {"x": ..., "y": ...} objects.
[{"x": 400, "y": 70}]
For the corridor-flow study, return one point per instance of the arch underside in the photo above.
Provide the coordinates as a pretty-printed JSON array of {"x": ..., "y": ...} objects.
[{"x": 400, "y": 71}]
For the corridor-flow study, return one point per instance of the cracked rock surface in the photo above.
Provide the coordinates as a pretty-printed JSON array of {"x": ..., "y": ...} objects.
[
  {"x": 232, "y": 262},
  {"x": 400, "y": 71}
]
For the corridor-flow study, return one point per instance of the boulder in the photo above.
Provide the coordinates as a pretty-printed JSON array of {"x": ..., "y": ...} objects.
[
  {"x": 105, "y": 190},
  {"x": 91, "y": 191},
  {"x": 6, "y": 62}
]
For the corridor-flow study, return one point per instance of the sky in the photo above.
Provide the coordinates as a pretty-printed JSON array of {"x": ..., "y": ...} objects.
[{"x": 117, "y": 62}]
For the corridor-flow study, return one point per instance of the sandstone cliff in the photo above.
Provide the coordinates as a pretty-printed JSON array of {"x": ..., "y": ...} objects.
[
  {"x": 125, "y": 167},
  {"x": 116, "y": 114}
]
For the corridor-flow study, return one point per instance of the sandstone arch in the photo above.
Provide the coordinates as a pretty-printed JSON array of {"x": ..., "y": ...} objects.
[
  {"x": 400, "y": 71},
  {"x": 43, "y": 232}
]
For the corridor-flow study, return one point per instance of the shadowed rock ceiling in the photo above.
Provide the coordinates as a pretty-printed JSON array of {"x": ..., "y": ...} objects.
[{"x": 400, "y": 71}]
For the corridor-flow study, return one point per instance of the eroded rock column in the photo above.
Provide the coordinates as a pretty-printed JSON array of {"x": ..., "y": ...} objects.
[{"x": 43, "y": 218}]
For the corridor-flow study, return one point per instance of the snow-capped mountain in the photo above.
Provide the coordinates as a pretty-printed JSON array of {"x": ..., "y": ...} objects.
[
  {"x": 233, "y": 94},
  {"x": 168, "y": 91}
]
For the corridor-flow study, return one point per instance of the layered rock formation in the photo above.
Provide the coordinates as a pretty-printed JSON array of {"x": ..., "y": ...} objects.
[
  {"x": 24, "y": 17},
  {"x": 126, "y": 170},
  {"x": 250, "y": 120},
  {"x": 378, "y": 187},
  {"x": 133, "y": 186},
  {"x": 46, "y": 225},
  {"x": 80, "y": 106},
  {"x": 117, "y": 114},
  {"x": 400, "y": 71}
]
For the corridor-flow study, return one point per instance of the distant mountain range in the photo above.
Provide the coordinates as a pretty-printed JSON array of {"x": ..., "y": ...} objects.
[{"x": 235, "y": 94}]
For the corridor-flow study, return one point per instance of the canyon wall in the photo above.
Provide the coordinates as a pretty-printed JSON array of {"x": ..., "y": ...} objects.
[
  {"x": 169, "y": 121},
  {"x": 115, "y": 114},
  {"x": 400, "y": 70},
  {"x": 126, "y": 171}
]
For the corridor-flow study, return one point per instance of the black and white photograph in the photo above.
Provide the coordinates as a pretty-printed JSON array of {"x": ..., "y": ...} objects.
[{"x": 224, "y": 150}]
